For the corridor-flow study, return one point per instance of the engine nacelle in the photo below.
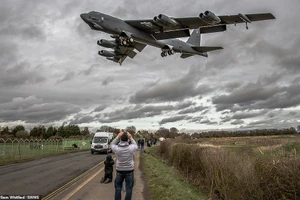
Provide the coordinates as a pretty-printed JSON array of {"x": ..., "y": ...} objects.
[
  {"x": 106, "y": 43},
  {"x": 163, "y": 20},
  {"x": 106, "y": 53},
  {"x": 113, "y": 59},
  {"x": 209, "y": 17}
]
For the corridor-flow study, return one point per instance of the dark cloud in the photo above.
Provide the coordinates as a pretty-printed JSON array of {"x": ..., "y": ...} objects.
[
  {"x": 133, "y": 112},
  {"x": 237, "y": 122},
  {"x": 100, "y": 108},
  {"x": 247, "y": 94},
  {"x": 90, "y": 70},
  {"x": 23, "y": 32},
  {"x": 34, "y": 110},
  {"x": 20, "y": 74},
  {"x": 251, "y": 114},
  {"x": 259, "y": 96},
  {"x": 192, "y": 110},
  {"x": 82, "y": 119},
  {"x": 172, "y": 119},
  {"x": 8, "y": 53},
  {"x": 207, "y": 121},
  {"x": 196, "y": 119},
  {"x": 289, "y": 60},
  {"x": 226, "y": 119},
  {"x": 67, "y": 77},
  {"x": 292, "y": 113},
  {"x": 176, "y": 90},
  {"x": 139, "y": 111},
  {"x": 185, "y": 104},
  {"x": 107, "y": 81}
]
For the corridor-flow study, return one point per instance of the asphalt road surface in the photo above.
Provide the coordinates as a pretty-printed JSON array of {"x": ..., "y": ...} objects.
[{"x": 43, "y": 176}]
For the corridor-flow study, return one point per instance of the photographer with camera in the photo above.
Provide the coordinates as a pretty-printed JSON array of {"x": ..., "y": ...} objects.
[{"x": 124, "y": 163}]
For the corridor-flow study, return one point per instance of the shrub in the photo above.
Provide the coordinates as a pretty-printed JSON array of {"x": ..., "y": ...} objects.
[
  {"x": 279, "y": 179},
  {"x": 233, "y": 175}
]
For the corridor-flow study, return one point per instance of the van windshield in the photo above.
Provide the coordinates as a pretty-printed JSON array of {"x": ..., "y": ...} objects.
[{"x": 100, "y": 140}]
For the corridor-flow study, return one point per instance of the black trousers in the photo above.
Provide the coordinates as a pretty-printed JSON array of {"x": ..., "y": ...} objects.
[{"x": 108, "y": 175}]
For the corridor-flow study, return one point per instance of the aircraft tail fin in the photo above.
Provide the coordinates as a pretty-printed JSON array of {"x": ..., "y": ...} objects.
[
  {"x": 195, "y": 38},
  {"x": 195, "y": 41}
]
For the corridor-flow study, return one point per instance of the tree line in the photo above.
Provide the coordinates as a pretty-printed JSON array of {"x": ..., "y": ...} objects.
[
  {"x": 42, "y": 132},
  {"x": 74, "y": 131}
]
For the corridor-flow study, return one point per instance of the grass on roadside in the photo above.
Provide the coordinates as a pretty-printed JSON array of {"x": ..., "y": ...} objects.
[
  {"x": 26, "y": 159},
  {"x": 165, "y": 184}
]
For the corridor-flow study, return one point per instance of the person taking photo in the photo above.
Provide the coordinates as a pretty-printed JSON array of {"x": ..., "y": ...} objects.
[{"x": 124, "y": 147}]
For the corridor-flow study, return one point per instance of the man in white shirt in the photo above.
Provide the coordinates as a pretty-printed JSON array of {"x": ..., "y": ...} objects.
[{"x": 124, "y": 163}]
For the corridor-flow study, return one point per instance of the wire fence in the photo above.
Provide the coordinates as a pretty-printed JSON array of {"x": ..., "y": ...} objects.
[{"x": 20, "y": 149}]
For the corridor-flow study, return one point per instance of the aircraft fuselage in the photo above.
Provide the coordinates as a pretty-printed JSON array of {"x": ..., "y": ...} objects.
[{"x": 112, "y": 25}]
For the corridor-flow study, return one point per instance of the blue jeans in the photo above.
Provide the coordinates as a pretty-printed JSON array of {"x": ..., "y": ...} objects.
[{"x": 129, "y": 180}]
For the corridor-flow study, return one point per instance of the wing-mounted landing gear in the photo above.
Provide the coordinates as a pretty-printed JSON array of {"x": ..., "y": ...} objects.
[{"x": 245, "y": 19}]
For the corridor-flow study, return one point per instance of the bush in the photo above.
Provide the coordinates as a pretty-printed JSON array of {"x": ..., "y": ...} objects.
[
  {"x": 231, "y": 175},
  {"x": 279, "y": 179},
  {"x": 22, "y": 134}
]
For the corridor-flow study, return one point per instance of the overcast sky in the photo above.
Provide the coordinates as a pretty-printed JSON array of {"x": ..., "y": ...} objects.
[{"x": 51, "y": 72}]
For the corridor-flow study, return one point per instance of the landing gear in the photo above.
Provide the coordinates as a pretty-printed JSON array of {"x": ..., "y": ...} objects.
[
  {"x": 164, "y": 53},
  {"x": 170, "y": 52},
  {"x": 130, "y": 39},
  {"x": 125, "y": 41}
]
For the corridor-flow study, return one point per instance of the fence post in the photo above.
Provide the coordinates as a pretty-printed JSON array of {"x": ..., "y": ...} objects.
[{"x": 19, "y": 152}]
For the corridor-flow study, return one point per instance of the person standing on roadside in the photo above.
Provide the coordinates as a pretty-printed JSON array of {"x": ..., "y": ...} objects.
[
  {"x": 108, "y": 170},
  {"x": 124, "y": 163},
  {"x": 142, "y": 145}
]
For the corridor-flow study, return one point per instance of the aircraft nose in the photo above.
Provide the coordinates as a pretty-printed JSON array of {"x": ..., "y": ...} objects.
[{"x": 84, "y": 17}]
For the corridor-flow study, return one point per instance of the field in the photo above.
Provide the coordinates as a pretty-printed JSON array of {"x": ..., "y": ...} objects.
[
  {"x": 260, "y": 167},
  {"x": 20, "y": 150},
  {"x": 263, "y": 146}
]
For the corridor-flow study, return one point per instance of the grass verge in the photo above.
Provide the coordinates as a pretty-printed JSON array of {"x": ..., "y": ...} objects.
[
  {"x": 20, "y": 160},
  {"x": 164, "y": 182}
]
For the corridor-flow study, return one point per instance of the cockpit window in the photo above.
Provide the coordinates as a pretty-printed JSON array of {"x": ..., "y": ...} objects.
[{"x": 94, "y": 16}]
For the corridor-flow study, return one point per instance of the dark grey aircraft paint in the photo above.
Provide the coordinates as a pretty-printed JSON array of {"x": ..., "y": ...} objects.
[{"x": 160, "y": 32}]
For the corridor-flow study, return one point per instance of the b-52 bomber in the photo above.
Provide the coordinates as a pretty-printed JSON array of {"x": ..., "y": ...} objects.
[{"x": 160, "y": 32}]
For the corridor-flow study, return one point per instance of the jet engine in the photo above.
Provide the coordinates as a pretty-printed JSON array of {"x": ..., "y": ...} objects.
[
  {"x": 106, "y": 53},
  {"x": 209, "y": 17},
  {"x": 163, "y": 20},
  {"x": 113, "y": 59},
  {"x": 107, "y": 43}
]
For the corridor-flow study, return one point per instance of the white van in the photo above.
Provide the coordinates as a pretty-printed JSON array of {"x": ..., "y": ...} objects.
[{"x": 100, "y": 142}]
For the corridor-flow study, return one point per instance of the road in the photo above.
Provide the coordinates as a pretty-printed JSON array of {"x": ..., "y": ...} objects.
[{"x": 43, "y": 176}]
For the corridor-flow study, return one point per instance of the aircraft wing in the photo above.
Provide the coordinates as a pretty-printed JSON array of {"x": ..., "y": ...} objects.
[
  {"x": 181, "y": 24},
  {"x": 121, "y": 52}
]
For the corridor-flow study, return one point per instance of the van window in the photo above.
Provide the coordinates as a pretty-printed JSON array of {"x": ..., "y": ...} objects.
[{"x": 100, "y": 140}]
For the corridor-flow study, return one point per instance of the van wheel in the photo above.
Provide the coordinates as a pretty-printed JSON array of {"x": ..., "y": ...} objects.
[{"x": 92, "y": 152}]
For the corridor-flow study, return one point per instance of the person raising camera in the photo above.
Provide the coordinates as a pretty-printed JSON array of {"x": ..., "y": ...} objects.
[{"x": 124, "y": 147}]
